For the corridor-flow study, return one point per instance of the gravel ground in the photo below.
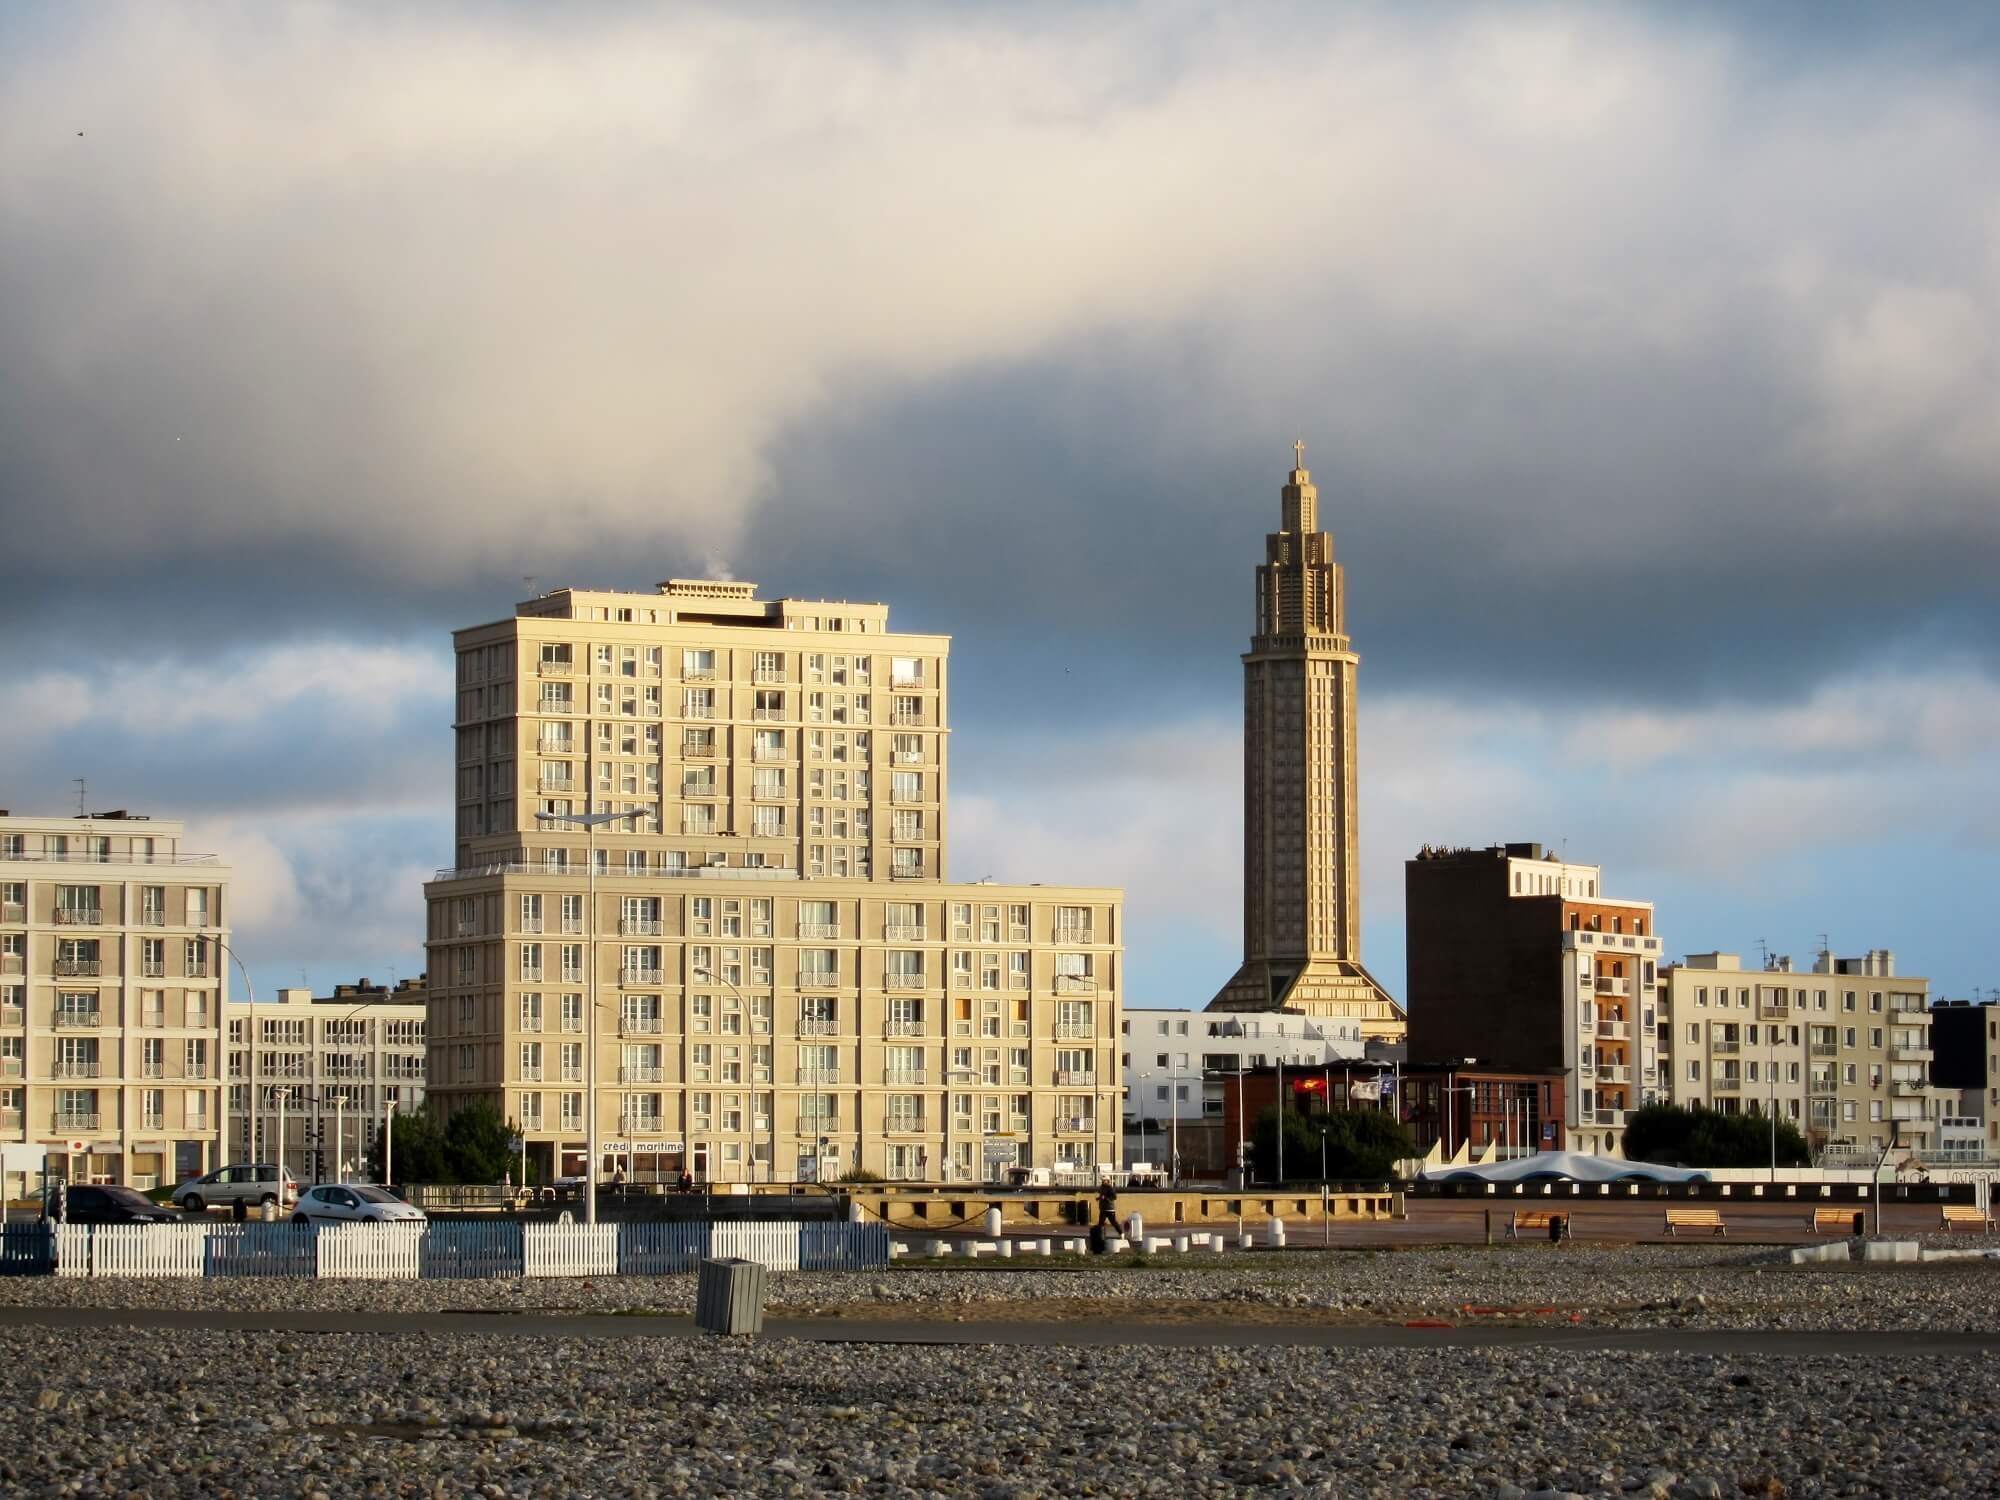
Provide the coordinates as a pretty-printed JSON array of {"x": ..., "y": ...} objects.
[
  {"x": 224, "y": 1414},
  {"x": 1631, "y": 1287}
]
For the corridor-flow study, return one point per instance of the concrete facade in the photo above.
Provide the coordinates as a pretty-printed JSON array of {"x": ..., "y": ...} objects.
[
  {"x": 1843, "y": 1051},
  {"x": 340, "y": 1061},
  {"x": 786, "y": 984},
  {"x": 113, "y": 977},
  {"x": 1301, "y": 817},
  {"x": 1174, "y": 1061},
  {"x": 1519, "y": 963}
]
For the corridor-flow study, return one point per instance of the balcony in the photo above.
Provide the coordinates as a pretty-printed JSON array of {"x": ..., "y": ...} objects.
[
  {"x": 908, "y": 798},
  {"x": 555, "y": 705},
  {"x": 78, "y": 968},
  {"x": 555, "y": 747},
  {"x": 1910, "y": 1054},
  {"x": 769, "y": 715},
  {"x": 697, "y": 674},
  {"x": 903, "y": 981},
  {"x": 698, "y": 750},
  {"x": 639, "y": 1026},
  {"x": 80, "y": 916},
  {"x": 1076, "y": 1125},
  {"x": 818, "y": 930},
  {"x": 1724, "y": 1048},
  {"x": 74, "y": 1121},
  {"x": 640, "y": 1073},
  {"x": 903, "y": 932},
  {"x": 1615, "y": 1031},
  {"x": 530, "y": 1073},
  {"x": 1826, "y": 1049},
  {"x": 907, "y": 758},
  {"x": 1075, "y": 1031},
  {"x": 556, "y": 668},
  {"x": 152, "y": 916},
  {"x": 815, "y": 1077},
  {"x": 1609, "y": 1116},
  {"x": 639, "y": 976},
  {"x": 1082, "y": 937},
  {"x": 905, "y": 1125},
  {"x": 1607, "y": 985},
  {"x": 697, "y": 710},
  {"x": 817, "y": 1027},
  {"x": 1907, "y": 1088},
  {"x": 639, "y": 926},
  {"x": 906, "y": 718},
  {"x": 898, "y": 1077},
  {"x": 906, "y": 872},
  {"x": 74, "y": 1069},
  {"x": 73, "y": 1020},
  {"x": 1727, "y": 1083},
  {"x": 557, "y": 783},
  {"x": 1614, "y": 1073},
  {"x": 1077, "y": 1078},
  {"x": 1075, "y": 984},
  {"x": 768, "y": 676},
  {"x": 904, "y": 1028}
]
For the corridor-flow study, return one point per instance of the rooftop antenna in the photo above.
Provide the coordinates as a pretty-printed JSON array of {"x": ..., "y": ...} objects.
[
  {"x": 1764, "y": 948},
  {"x": 528, "y": 581},
  {"x": 1826, "y": 945},
  {"x": 82, "y": 795}
]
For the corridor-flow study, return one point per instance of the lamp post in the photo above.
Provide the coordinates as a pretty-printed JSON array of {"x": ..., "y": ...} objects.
[
  {"x": 388, "y": 1142},
  {"x": 250, "y": 994},
  {"x": 771, "y": 1124},
  {"x": 590, "y": 822},
  {"x": 1175, "y": 1135}
]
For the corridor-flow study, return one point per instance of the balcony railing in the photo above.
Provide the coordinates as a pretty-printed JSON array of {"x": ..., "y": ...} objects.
[
  {"x": 1075, "y": 1031},
  {"x": 79, "y": 916},
  {"x": 906, "y": 872},
  {"x": 555, "y": 705},
  {"x": 1606, "y": 985},
  {"x": 639, "y": 1026},
  {"x": 906, "y": 718},
  {"x": 1826, "y": 1049},
  {"x": 531, "y": 1073},
  {"x": 698, "y": 750},
  {"x": 74, "y": 1070},
  {"x": 1610, "y": 1116},
  {"x": 1076, "y": 1125},
  {"x": 903, "y": 932},
  {"x": 1075, "y": 1078},
  {"x": 899, "y": 1076},
  {"x": 697, "y": 710},
  {"x": 640, "y": 1073},
  {"x": 639, "y": 976},
  {"x": 1081, "y": 936},
  {"x": 557, "y": 783},
  {"x": 769, "y": 715},
  {"x": 1728, "y": 1083},
  {"x": 901, "y": 981},
  {"x": 69, "y": 1020},
  {"x": 1907, "y": 1088},
  {"x": 907, "y": 758},
  {"x": 76, "y": 1120},
  {"x": 1723, "y": 1047},
  {"x": 1910, "y": 1054},
  {"x": 1075, "y": 984},
  {"x": 639, "y": 926},
  {"x": 1613, "y": 1030},
  {"x": 1614, "y": 1073},
  {"x": 764, "y": 676},
  {"x": 556, "y": 668},
  {"x": 816, "y": 1076},
  {"x": 697, "y": 674},
  {"x": 78, "y": 968}
]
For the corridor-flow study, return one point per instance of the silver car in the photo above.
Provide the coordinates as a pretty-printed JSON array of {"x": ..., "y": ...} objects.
[
  {"x": 354, "y": 1203},
  {"x": 249, "y": 1184}
]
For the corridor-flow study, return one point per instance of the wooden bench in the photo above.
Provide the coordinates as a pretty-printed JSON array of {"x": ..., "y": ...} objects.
[
  {"x": 1833, "y": 1220},
  {"x": 1543, "y": 1219},
  {"x": 1966, "y": 1216},
  {"x": 1696, "y": 1218}
]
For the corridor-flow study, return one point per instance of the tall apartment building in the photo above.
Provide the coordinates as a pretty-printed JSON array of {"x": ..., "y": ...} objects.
[
  {"x": 111, "y": 992},
  {"x": 1844, "y": 1051},
  {"x": 1518, "y": 961},
  {"x": 1301, "y": 815},
  {"x": 1965, "y": 1069},
  {"x": 327, "y": 1069},
  {"x": 785, "y": 983}
]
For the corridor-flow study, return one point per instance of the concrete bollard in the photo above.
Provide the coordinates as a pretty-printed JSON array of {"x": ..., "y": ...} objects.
[
  {"x": 1182, "y": 1243},
  {"x": 1006, "y": 1249},
  {"x": 1045, "y": 1247},
  {"x": 1274, "y": 1235},
  {"x": 993, "y": 1223},
  {"x": 1243, "y": 1240},
  {"x": 939, "y": 1249},
  {"x": 1116, "y": 1245},
  {"x": 1135, "y": 1229}
]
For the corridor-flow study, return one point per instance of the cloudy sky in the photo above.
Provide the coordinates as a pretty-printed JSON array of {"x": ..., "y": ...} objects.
[{"x": 1648, "y": 362}]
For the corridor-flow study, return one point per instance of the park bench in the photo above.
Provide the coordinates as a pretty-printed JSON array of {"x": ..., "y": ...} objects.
[
  {"x": 1696, "y": 1218},
  {"x": 1966, "y": 1216},
  {"x": 1833, "y": 1220},
  {"x": 1550, "y": 1221}
]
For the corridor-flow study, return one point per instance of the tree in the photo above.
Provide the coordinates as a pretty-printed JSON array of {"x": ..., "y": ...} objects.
[
  {"x": 1698, "y": 1137},
  {"x": 419, "y": 1149},
  {"x": 1361, "y": 1144},
  {"x": 470, "y": 1147}
]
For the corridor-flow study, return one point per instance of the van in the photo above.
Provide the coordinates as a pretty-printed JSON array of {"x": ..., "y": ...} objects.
[{"x": 246, "y": 1185}]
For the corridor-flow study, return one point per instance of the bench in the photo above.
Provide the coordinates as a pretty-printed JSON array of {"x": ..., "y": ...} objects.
[
  {"x": 1833, "y": 1220},
  {"x": 1543, "y": 1219},
  {"x": 1696, "y": 1218},
  {"x": 1966, "y": 1216}
]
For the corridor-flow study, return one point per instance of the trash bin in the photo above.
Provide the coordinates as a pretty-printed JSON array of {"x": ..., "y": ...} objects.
[{"x": 729, "y": 1297}]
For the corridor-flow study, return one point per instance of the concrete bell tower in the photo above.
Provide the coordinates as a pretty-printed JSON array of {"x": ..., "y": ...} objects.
[{"x": 1301, "y": 850}]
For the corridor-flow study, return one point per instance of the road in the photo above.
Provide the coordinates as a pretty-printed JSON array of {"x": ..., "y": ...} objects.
[{"x": 1091, "y": 1332}]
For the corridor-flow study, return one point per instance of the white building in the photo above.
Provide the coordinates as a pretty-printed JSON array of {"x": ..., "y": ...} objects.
[{"x": 1174, "y": 1061}]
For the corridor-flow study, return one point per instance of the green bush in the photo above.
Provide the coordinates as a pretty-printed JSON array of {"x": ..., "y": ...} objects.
[
  {"x": 469, "y": 1147},
  {"x": 1361, "y": 1144},
  {"x": 1698, "y": 1137},
  {"x": 859, "y": 1174}
]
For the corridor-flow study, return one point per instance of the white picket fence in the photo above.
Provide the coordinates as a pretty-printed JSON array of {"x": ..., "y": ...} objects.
[{"x": 411, "y": 1252}]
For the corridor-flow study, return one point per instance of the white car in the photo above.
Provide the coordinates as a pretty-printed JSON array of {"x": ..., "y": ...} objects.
[{"x": 354, "y": 1203}]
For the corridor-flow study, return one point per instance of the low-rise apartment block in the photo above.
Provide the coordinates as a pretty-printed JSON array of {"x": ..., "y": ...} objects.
[
  {"x": 779, "y": 979},
  {"x": 1519, "y": 964},
  {"x": 113, "y": 975},
  {"x": 327, "y": 1070},
  {"x": 1965, "y": 1068},
  {"x": 1174, "y": 1061},
  {"x": 1843, "y": 1051}
]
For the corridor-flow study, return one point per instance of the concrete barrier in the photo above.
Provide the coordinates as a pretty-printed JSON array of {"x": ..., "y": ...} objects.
[
  {"x": 1838, "y": 1250},
  {"x": 1892, "y": 1250}
]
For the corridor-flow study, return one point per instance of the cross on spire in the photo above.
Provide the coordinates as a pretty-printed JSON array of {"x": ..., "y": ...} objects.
[{"x": 1299, "y": 454}]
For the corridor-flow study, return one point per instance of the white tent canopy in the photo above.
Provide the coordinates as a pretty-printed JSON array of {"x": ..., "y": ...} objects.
[{"x": 1569, "y": 1166}]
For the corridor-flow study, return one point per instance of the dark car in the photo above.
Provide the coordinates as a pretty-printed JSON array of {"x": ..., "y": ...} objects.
[{"x": 90, "y": 1204}]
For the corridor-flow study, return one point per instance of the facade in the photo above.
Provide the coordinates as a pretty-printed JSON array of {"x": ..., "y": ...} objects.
[
  {"x": 113, "y": 976},
  {"x": 1477, "y": 1108},
  {"x": 1844, "y": 1051},
  {"x": 328, "y": 1069},
  {"x": 1301, "y": 823},
  {"x": 1520, "y": 964},
  {"x": 785, "y": 985},
  {"x": 1248, "y": 1096}
]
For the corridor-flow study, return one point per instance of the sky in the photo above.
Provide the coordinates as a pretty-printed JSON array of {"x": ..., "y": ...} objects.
[{"x": 1647, "y": 358}]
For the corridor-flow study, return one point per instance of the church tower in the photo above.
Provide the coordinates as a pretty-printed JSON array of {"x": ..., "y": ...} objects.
[{"x": 1301, "y": 855}]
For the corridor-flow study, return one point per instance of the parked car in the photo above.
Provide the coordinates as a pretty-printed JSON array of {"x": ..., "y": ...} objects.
[
  {"x": 354, "y": 1203},
  {"x": 238, "y": 1187},
  {"x": 88, "y": 1203}
]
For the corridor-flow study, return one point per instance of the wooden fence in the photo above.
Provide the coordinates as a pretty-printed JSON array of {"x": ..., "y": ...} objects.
[{"x": 414, "y": 1252}]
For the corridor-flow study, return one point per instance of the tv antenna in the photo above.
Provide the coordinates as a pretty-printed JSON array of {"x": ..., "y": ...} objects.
[
  {"x": 82, "y": 795},
  {"x": 1764, "y": 950}
]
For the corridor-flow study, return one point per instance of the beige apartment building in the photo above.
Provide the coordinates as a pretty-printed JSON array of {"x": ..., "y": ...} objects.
[
  {"x": 1844, "y": 1052},
  {"x": 784, "y": 983},
  {"x": 326, "y": 1071},
  {"x": 113, "y": 975}
]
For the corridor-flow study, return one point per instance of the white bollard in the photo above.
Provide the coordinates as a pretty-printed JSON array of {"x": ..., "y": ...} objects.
[
  {"x": 1243, "y": 1240},
  {"x": 1135, "y": 1229},
  {"x": 993, "y": 1223},
  {"x": 1045, "y": 1247},
  {"x": 1006, "y": 1248},
  {"x": 939, "y": 1249},
  {"x": 1274, "y": 1235},
  {"x": 1181, "y": 1243}
]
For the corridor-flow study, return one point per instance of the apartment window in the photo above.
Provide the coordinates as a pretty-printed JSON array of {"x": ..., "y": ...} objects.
[
  {"x": 819, "y": 967},
  {"x": 571, "y": 1059},
  {"x": 572, "y": 1012},
  {"x": 818, "y": 1015},
  {"x": 531, "y": 1010},
  {"x": 153, "y": 1058},
  {"x": 531, "y": 961}
]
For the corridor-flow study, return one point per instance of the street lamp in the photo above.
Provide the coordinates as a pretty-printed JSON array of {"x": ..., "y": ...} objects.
[
  {"x": 590, "y": 822},
  {"x": 222, "y": 1066}
]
